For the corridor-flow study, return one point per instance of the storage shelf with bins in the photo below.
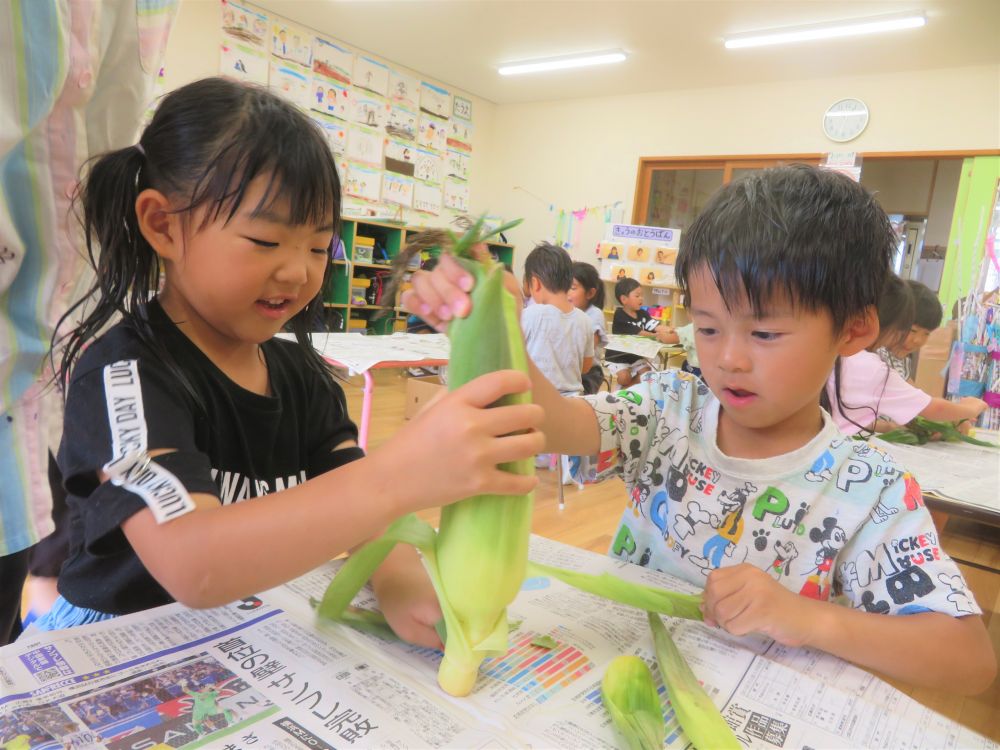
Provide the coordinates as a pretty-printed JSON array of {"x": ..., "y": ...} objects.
[{"x": 349, "y": 302}]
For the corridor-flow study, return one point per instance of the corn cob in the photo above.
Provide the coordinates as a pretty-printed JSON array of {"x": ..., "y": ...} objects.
[
  {"x": 699, "y": 718},
  {"x": 630, "y": 697}
]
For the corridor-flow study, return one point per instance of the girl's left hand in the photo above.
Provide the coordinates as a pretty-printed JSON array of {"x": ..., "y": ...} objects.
[
  {"x": 407, "y": 598},
  {"x": 744, "y": 599}
]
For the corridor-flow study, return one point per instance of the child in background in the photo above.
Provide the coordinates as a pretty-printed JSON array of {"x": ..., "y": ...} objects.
[
  {"x": 742, "y": 482},
  {"x": 188, "y": 406},
  {"x": 630, "y": 319},
  {"x": 587, "y": 294},
  {"x": 557, "y": 335},
  {"x": 865, "y": 395},
  {"x": 927, "y": 314}
]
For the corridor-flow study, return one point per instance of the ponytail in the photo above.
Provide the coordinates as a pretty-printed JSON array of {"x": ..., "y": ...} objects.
[{"x": 125, "y": 264}]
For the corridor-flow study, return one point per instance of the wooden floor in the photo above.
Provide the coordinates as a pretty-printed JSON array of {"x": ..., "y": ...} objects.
[{"x": 592, "y": 514}]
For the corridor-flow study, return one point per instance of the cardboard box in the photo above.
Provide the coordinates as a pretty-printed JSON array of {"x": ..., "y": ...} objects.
[
  {"x": 419, "y": 391},
  {"x": 933, "y": 358}
]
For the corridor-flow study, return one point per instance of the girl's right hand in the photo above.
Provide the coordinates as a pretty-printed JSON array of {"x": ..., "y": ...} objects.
[
  {"x": 442, "y": 294},
  {"x": 455, "y": 445}
]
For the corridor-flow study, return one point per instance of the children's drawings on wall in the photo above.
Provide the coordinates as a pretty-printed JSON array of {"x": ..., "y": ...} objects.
[
  {"x": 456, "y": 195},
  {"x": 402, "y": 123},
  {"x": 332, "y": 62},
  {"x": 617, "y": 273},
  {"x": 640, "y": 253},
  {"x": 400, "y": 157},
  {"x": 462, "y": 108},
  {"x": 242, "y": 62},
  {"x": 460, "y": 135},
  {"x": 432, "y": 133},
  {"x": 335, "y": 132},
  {"x": 371, "y": 75},
  {"x": 611, "y": 250},
  {"x": 400, "y": 142},
  {"x": 365, "y": 145},
  {"x": 362, "y": 182},
  {"x": 434, "y": 100},
  {"x": 665, "y": 255},
  {"x": 427, "y": 198},
  {"x": 397, "y": 188},
  {"x": 369, "y": 109},
  {"x": 403, "y": 90},
  {"x": 428, "y": 166},
  {"x": 290, "y": 81},
  {"x": 458, "y": 165},
  {"x": 244, "y": 25},
  {"x": 330, "y": 98},
  {"x": 291, "y": 43}
]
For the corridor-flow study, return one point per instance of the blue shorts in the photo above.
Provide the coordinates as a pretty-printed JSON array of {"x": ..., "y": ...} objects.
[{"x": 65, "y": 615}]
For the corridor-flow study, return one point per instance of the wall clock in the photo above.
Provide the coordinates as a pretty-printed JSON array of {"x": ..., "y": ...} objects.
[{"x": 845, "y": 120}]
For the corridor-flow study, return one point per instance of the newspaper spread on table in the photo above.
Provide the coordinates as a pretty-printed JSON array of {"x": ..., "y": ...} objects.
[
  {"x": 263, "y": 673},
  {"x": 359, "y": 352},
  {"x": 961, "y": 472},
  {"x": 641, "y": 346}
]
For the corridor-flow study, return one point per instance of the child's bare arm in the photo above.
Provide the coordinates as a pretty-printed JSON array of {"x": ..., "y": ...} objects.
[
  {"x": 743, "y": 599},
  {"x": 942, "y": 410},
  {"x": 217, "y": 554},
  {"x": 569, "y": 424}
]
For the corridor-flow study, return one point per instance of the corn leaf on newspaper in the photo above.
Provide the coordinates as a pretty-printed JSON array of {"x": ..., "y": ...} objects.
[{"x": 263, "y": 673}]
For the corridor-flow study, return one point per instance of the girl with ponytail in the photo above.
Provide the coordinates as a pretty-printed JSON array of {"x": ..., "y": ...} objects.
[{"x": 208, "y": 237}]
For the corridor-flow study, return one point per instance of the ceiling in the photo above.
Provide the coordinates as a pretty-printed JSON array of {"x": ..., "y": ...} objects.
[{"x": 673, "y": 44}]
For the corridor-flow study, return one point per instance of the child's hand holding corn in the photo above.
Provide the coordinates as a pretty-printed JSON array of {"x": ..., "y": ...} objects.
[{"x": 442, "y": 294}]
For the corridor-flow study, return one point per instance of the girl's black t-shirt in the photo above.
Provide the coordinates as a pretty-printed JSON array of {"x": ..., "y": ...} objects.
[{"x": 235, "y": 444}]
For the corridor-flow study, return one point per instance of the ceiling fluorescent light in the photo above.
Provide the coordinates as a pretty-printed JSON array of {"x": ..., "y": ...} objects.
[
  {"x": 872, "y": 25},
  {"x": 562, "y": 63}
]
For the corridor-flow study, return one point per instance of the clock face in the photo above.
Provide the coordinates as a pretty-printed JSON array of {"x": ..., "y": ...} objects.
[{"x": 845, "y": 120}]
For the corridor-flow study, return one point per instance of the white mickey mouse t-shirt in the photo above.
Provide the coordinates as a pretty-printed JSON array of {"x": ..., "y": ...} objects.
[{"x": 834, "y": 518}]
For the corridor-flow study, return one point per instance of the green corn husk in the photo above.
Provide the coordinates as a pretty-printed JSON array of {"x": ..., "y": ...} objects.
[
  {"x": 477, "y": 559},
  {"x": 630, "y": 697},
  {"x": 919, "y": 431},
  {"x": 699, "y": 718},
  {"x": 649, "y": 598},
  {"x": 482, "y": 542}
]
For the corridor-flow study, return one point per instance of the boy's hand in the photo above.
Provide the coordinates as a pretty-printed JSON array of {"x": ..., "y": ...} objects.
[
  {"x": 442, "y": 294},
  {"x": 744, "y": 599},
  {"x": 407, "y": 598},
  {"x": 456, "y": 444},
  {"x": 666, "y": 335}
]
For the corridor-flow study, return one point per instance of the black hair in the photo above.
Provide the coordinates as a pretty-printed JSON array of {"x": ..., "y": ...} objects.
[
  {"x": 927, "y": 310},
  {"x": 206, "y": 143},
  {"x": 813, "y": 234},
  {"x": 551, "y": 265},
  {"x": 624, "y": 287},
  {"x": 586, "y": 275},
  {"x": 895, "y": 312}
]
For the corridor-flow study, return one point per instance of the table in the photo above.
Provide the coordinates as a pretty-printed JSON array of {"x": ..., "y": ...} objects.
[
  {"x": 642, "y": 346},
  {"x": 271, "y": 676},
  {"x": 360, "y": 354},
  {"x": 956, "y": 478}
]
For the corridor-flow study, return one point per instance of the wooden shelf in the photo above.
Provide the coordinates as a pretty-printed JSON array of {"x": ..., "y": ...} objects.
[{"x": 391, "y": 236}]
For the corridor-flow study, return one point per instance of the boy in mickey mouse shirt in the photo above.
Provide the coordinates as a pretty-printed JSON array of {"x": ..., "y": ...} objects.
[{"x": 741, "y": 482}]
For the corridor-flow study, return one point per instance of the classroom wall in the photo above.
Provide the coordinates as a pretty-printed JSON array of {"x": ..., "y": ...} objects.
[
  {"x": 585, "y": 152},
  {"x": 193, "y": 53}
]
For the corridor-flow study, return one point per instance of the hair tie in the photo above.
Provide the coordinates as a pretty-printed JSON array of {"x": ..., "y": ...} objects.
[{"x": 140, "y": 149}]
